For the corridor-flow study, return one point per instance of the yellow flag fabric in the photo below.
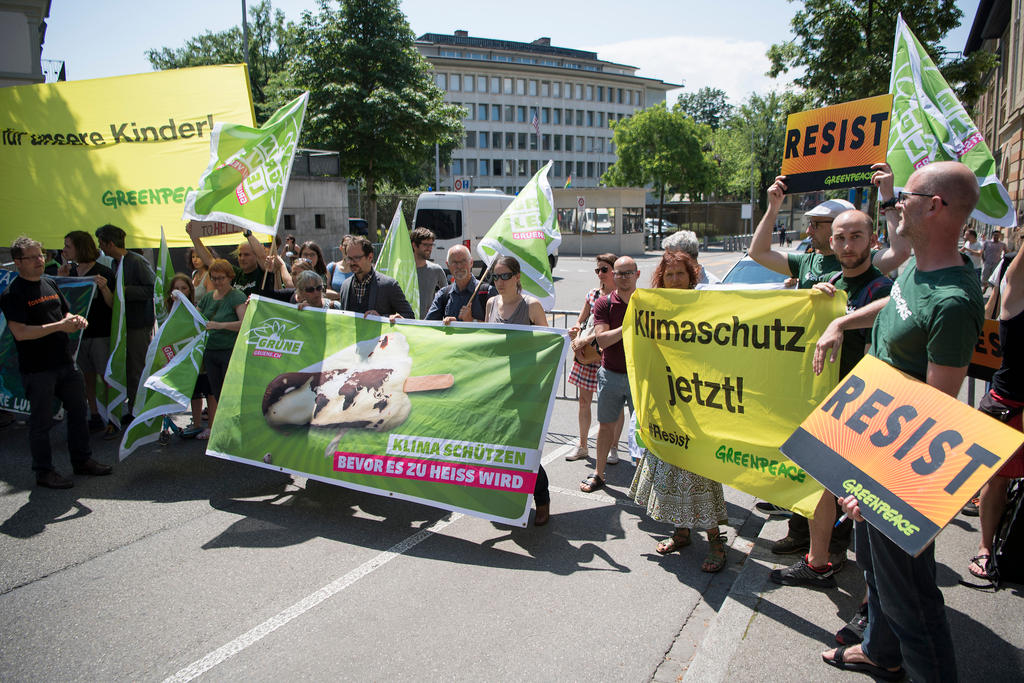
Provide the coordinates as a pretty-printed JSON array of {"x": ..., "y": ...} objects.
[
  {"x": 720, "y": 379},
  {"x": 126, "y": 150}
]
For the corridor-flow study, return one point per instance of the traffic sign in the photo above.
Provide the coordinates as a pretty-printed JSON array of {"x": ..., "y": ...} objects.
[
  {"x": 581, "y": 202},
  {"x": 462, "y": 184}
]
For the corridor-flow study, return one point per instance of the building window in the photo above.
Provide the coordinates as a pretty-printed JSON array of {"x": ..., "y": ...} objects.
[
  {"x": 579, "y": 118},
  {"x": 639, "y": 98},
  {"x": 533, "y": 88},
  {"x": 545, "y": 88},
  {"x": 521, "y": 114},
  {"x": 485, "y": 167},
  {"x": 483, "y": 140},
  {"x": 496, "y": 140},
  {"x": 557, "y": 113},
  {"x": 600, "y": 119},
  {"x": 495, "y": 112},
  {"x": 619, "y": 95},
  {"x": 470, "y": 139},
  {"x": 545, "y": 115},
  {"x": 579, "y": 169},
  {"x": 600, "y": 93},
  {"x": 629, "y": 97},
  {"x": 521, "y": 140},
  {"x": 566, "y": 219},
  {"x": 471, "y": 166},
  {"x": 533, "y": 141},
  {"x": 590, "y": 119},
  {"x": 495, "y": 86},
  {"x": 470, "y": 84},
  {"x": 557, "y": 169},
  {"x": 533, "y": 114},
  {"x": 632, "y": 220},
  {"x": 558, "y": 143},
  {"x": 510, "y": 167},
  {"x": 520, "y": 86},
  {"x": 510, "y": 113},
  {"x": 441, "y": 80},
  {"x": 534, "y": 167},
  {"x": 497, "y": 167},
  {"x": 590, "y": 93},
  {"x": 545, "y": 142},
  {"x": 510, "y": 140},
  {"x": 590, "y": 169},
  {"x": 522, "y": 167},
  {"x": 455, "y": 82},
  {"x": 481, "y": 83},
  {"x": 579, "y": 143},
  {"x": 482, "y": 109},
  {"x": 470, "y": 112},
  {"x": 579, "y": 91},
  {"x": 506, "y": 86},
  {"x": 320, "y": 221},
  {"x": 600, "y": 145},
  {"x": 590, "y": 144},
  {"x": 568, "y": 143},
  {"x": 289, "y": 221},
  {"x": 456, "y": 166},
  {"x": 600, "y": 221}
]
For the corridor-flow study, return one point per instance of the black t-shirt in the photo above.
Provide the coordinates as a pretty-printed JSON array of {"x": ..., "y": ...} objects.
[
  {"x": 253, "y": 283},
  {"x": 100, "y": 314},
  {"x": 37, "y": 303}
]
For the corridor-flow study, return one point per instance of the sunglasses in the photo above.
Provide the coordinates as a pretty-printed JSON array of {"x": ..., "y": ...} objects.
[
  {"x": 904, "y": 196},
  {"x": 310, "y": 290},
  {"x": 504, "y": 276},
  {"x": 602, "y": 270}
]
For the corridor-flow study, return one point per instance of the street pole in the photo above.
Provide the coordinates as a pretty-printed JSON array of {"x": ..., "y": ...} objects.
[
  {"x": 437, "y": 167},
  {"x": 245, "y": 34}
]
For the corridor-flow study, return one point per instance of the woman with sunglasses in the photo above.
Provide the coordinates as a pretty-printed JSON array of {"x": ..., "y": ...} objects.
[
  {"x": 512, "y": 307},
  {"x": 309, "y": 291},
  {"x": 669, "y": 493},
  {"x": 584, "y": 375}
]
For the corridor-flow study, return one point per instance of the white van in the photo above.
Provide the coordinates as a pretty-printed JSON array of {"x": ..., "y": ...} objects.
[{"x": 461, "y": 218}]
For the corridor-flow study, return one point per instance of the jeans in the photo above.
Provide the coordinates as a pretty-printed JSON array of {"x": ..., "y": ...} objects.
[
  {"x": 65, "y": 383},
  {"x": 906, "y": 613}
]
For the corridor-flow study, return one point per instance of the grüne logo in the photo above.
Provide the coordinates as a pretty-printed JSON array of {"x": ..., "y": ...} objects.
[{"x": 270, "y": 340}]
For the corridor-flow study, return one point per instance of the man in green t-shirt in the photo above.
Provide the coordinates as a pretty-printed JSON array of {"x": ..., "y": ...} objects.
[
  {"x": 809, "y": 269},
  {"x": 927, "y": 327},
  {"x": 863, "y": 283}
]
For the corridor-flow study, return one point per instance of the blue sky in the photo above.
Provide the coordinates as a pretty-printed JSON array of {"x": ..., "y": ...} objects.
[{"x": 697, "y": 43}]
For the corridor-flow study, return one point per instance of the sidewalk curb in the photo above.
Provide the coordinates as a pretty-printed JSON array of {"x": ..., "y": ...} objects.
[{"x": 729, "y": 626}]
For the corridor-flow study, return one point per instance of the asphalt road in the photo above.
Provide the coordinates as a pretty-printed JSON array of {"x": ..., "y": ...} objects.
[{"x": 180, "y": 566}]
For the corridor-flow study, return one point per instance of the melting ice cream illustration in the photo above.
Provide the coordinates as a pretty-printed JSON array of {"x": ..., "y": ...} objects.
[{"x": 363, "y": 386}]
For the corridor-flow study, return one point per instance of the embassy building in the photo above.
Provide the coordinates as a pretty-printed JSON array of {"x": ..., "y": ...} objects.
[{"x": 527, "y": 103}]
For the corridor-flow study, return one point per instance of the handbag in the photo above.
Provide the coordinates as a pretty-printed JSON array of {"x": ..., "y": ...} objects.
[{"x": 584, "y": 347}]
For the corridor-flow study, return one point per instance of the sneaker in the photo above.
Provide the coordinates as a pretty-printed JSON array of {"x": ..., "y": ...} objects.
[
  {"x": 971, "y": 509},
  {"x": 791, "y": 546},
  {"x": 853, "y": 632},
  {"x": 96, "y": 424},
  {"x": 802, "y": 574},
  {"x": 837, "y": 560},
  {"x": 772, "y": 509},
  {"x": 579, "y": 454},
  {"x": 52, "y": 480},
  {"x": 613, "y": 456},
  {"x": 92, "y": 468}
]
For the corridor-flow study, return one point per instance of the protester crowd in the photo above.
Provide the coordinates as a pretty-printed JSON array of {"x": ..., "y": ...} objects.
[{"x": 902, "y": 627}]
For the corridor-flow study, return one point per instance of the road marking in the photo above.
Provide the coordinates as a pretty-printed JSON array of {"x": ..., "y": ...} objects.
[{"x": 254, "y": 635}]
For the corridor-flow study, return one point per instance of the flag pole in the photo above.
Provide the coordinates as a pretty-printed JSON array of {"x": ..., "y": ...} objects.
[{"x": 480, "y": 282}]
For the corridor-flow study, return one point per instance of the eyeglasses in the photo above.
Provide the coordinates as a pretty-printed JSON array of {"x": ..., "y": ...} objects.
[
  {"x": 904, "y": 196},
  {"x": 360, "y": 257},
  {"x": 504, "y": 276},
  {"x": 602, "y": 270},
  {"x": 310, "y": 290},
  {"x": 218, "y": 278},
  {"x": 37, "y": 257},
  {"x": 429, "y": 244},
  {"x": 624, "y": 273}
]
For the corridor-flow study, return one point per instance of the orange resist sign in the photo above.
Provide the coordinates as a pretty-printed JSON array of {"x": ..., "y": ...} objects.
[
  {"x": 911, "y": 454},
  {"x": 835, "y": 146}
]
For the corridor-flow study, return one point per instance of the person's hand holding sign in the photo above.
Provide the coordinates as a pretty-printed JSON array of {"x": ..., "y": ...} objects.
[
  {"x": 777, "y": 192},
  {"x": 883, "y": 180},
  {"x": 831, "y": 339},
  {"x": 851, "y": 508}
]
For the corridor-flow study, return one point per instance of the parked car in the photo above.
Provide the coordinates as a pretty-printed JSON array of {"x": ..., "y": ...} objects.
[
  {"x": 749, "y": 274},
  {"x": 667, "y": 226}
]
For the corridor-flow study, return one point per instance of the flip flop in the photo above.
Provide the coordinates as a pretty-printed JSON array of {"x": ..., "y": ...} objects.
[
  {"x": 982, "y": 572},
  {"x": 838, "y": 661}
]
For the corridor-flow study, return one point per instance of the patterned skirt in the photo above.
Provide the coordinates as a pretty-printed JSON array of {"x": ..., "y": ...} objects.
[
  {"x": 674, "y": 495},
  {"x": 584, "y": 376}
]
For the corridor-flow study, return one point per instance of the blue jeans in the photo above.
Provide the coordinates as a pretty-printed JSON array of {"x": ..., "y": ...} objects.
[
  {"x": 906, "y": 613},
  {"x": 65, "y": 383}
]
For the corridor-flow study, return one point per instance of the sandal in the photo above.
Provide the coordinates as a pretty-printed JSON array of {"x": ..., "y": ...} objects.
[
  {"x": 838, "y": 660},
  {"x": 203, "y": 435},
  {"x": 680, "y": 539},
  {"x": 591, "y": 484},
  {"x": 982, "y": 571},
  {"x": 192, "y": 431},
  {"x": 716, "y": 554}
]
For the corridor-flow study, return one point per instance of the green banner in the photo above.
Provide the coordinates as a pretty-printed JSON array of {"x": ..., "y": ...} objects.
[
  {"x": 79, "y": 293},
  {"x": 116, "y": 374},
  {"x": 181, "y": 340},
  {"x": 164, "y": 274},
  {"x": 449, "y": 416},
  {"x": 396, "y": 260},
  {"x": 929, "y": 124},
  {"x": 528, "y": 231},
  {"x": 247, "y": 177}
]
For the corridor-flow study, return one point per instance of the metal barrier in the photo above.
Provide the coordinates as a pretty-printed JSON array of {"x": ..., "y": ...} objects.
[{"x": 568, "y": 319}]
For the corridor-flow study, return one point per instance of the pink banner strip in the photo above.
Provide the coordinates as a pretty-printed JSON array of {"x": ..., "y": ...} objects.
[{"x": 434, "y": 471}]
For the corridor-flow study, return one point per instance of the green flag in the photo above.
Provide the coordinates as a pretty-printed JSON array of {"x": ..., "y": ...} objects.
[
  {"x": 396, "y": 260},
  {"x": 247, "y": 177},
  {"x": 116, "y": 374},
  {"x": 527, "y": 230},
  {"x": 162, "y": 281},
  {"x": 181, "y": 341},
  {"x": 929, "y": 124}
]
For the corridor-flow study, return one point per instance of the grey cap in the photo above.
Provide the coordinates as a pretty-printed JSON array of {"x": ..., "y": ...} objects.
[{"x": 830, "y": 208}]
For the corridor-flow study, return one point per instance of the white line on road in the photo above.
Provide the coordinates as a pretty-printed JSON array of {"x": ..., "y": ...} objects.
[{"x": 254, "y": 635}]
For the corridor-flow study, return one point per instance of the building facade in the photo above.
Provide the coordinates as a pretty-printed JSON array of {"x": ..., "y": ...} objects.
[
  {"x": 528, "y": 103},
  {"x": 22, "y": 29},
  {"x": 998, "y": 28}
]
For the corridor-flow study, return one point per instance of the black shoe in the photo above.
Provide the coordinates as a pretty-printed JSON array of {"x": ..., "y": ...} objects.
[
  {"x": 96, "y": 424},
  {"x": 791, "y": 546},
  {"x": 92, "y": 468},
  {"x": 126, "y": 419},
  {"x": 853, "y": 632},
  {"x": 51, "y": 480},
  {"x": 772, "y": 509},
  {"x": 111, "y": 433},
  {"x": 801, "y": 574}
]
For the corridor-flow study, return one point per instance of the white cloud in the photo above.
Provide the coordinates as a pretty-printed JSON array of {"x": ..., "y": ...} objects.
[{"x": 738, "y": 67}]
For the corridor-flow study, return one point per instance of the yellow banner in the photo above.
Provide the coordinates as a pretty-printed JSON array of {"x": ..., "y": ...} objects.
[
  {"x": 720, "y": 379},
  {"x": 125, "y": 150}
]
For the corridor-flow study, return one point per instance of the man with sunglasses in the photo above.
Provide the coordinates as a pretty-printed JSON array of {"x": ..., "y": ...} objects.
[
  {"x": 612, "y": 384},
  {"x": 40, "y": 321},
  {"x": 367, "y": 291},
  {"x": 927, "y": 328}
]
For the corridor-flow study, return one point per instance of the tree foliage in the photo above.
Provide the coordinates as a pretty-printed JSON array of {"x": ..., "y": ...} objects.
[
  {"x": 844, "y": 47},
  {"x": 271, "y": 48},
  {"x": 707, "y": 105},
  {"x": 372, "y": 97},
  {"x": 661, "y": 147}
]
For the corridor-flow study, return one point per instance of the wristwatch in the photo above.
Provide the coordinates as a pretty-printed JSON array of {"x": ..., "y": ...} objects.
[
  {"x": 887, "y": 204},
  {"x": 247, "y": 232}
]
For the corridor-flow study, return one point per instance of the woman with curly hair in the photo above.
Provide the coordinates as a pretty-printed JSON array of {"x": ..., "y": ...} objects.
[{"x": 669, "y": 493}]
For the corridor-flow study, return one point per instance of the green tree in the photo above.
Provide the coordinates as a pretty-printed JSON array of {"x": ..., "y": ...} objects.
[
  {"x": 662, "y": 147},
  {"x": 707, "y": 105},
  {"x": 844, "y": 47},
  {"x": 271, "y": 48},
  {"x": 372, "y": 97}
]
